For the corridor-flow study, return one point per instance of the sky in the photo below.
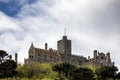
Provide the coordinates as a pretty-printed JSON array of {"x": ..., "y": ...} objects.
[{"x": 90, "y": 24}]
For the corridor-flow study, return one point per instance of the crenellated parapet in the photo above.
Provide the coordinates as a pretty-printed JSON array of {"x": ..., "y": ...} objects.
[{"x": 101, "y": 58}]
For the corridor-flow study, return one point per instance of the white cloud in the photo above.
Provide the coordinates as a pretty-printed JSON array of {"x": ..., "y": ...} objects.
[
  {"x": 13, "y": 37},
  {"x": 89, "y": 25},
  {"x": 8, "y": 23}
]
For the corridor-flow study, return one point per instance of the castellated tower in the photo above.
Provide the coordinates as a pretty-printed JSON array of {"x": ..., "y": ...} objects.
[
  {"x": 64, "y": 47},
  {"x": 108, "y": 60},
  {"x": 101, "y": 58},
  {"x": 95, "y": 55},
  {"x": 16, "y": 58}
]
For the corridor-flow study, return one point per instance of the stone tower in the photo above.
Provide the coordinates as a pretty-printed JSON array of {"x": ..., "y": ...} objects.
[
  {"x": 108, "y": 60},
  {"x": 31, "y": 52},
  {"x": 64, "y": 47},
  {"x": 16, "y": 58},
  {"x": 46, "y": 46},
  {"x": 95, "y": 55}
]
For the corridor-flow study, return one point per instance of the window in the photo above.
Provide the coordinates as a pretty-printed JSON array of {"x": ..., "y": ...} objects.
[
  {"x": 38, "y": 54},
  {"x": 45, "y": 57},
  {"x": 51, "y": 57},
  {"x": 101, "y": 57},
  {"x": 29, "y": 56}
]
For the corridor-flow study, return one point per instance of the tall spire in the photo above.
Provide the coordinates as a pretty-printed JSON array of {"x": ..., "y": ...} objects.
[
  {"x": 65, "y": 31},
  {"x": 32, "y": 46},
  {"x": 64, "y": 37}
]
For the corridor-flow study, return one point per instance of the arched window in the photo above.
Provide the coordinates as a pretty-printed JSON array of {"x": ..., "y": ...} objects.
[
  {"x": 31, "y": 56},
  {"x": 102, "y": 58}
]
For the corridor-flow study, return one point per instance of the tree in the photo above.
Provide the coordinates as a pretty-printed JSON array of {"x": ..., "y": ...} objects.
[
  {"x": 3, "y": 54},
  {"x": 106, "y": 72},
  {"x": 118, "y": 75},
  {"x": 7, "y": 66},
  {"x": 64, "y": 69},
  {"x": 7, "y": 69},
  {"x": 82, "y": 74},
  {"x": 34, "y": 69}
]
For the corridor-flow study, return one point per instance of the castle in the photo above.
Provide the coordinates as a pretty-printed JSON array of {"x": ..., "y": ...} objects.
[{"x": 63, "y": 54}]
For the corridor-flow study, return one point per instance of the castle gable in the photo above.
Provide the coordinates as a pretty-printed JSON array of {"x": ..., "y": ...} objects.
[{"x": 43, "y": 55}]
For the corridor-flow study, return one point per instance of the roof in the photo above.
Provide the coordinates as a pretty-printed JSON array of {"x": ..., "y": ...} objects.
[{"x": 49, "y": 52}]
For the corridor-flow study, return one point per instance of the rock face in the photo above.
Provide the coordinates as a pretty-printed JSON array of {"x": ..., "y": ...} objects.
[{"x": 63, "y": 54}]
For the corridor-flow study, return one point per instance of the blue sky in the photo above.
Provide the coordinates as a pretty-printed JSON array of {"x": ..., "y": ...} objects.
[
  {"x": 90, "y": 25},
  {"x": 12, "y": 7}
]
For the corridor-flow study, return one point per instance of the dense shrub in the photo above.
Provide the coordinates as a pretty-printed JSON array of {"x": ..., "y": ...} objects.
[
  {"x": 7, "y": 66},
  {"x": 106, "y": 72}
]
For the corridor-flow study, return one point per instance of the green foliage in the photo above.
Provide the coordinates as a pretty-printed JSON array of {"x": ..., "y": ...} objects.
[
  {"x": 47, "y": 71},
  {"x": 47, "y": 79},
  {"x": 36, "y": 70},
  {"x": 106, "y": 72},
  {"x": 53, "y": 75},
  {"x": 7, "y": 66},
  {"x": 21, "y": 71},
  {"x": 93, "y": 68},
  {"x": 63, "y": 69},
  {"x": 82, "y": 74},
  {"x": 71, "y": 72},
  {"x": 118, "y": 75},
  {"x": 2, "y": 54},
  {"x": 7, "y": 69}
]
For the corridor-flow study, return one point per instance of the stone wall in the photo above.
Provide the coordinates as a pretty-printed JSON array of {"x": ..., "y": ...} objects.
[{"x": 63, "y": 54}]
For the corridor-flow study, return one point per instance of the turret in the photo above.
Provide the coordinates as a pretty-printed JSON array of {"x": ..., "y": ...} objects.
[
  {"x": 108, "y": 60},
  {"x": 31, "y": 49},
  {"x": 46, "y": 46},
  {"x": 95, "y": 55},
  {"x": 16, "y": 58},
  {"x": 32, "y": 46},
  {"x": 88, "y": 58}
]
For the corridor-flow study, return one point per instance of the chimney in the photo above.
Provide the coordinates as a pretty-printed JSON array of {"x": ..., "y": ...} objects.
[
  {"x": 46, "y": 46},
  {"x": 16, "y": 57},
  {"x": 10, "y": 57}
]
